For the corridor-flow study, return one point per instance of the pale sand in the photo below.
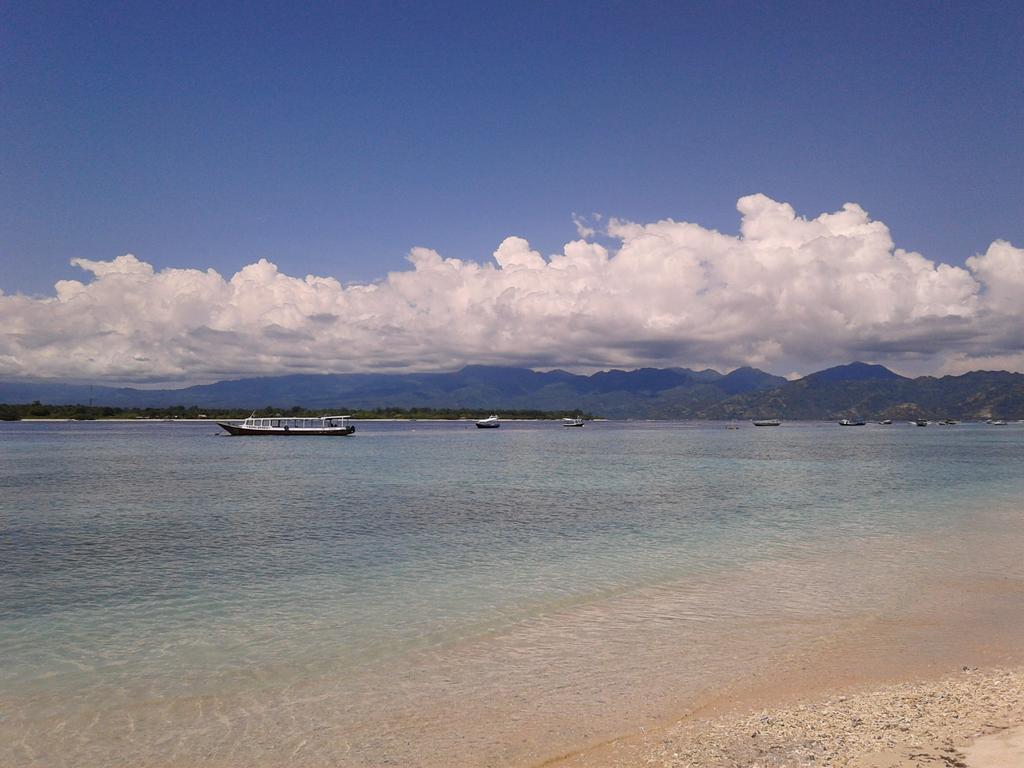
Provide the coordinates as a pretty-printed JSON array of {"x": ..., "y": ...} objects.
[
  {"x": 969, "y": 719},
  {"x": 1003, "y": 749}
]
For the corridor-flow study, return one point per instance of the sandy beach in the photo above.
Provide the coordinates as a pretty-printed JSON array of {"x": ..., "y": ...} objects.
[{"x": 969, "y": 718}]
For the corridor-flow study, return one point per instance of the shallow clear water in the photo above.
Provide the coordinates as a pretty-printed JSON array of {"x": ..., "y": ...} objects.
[{"x": 426, "y": 591}]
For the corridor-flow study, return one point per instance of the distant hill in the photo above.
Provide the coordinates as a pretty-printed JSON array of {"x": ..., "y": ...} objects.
[
  {"x": 856, "y": 372},
  {"x": 748, "y": 380},
  {"x": 875, "y": 392},
  {"x": 643, "y": 393},
  {"x": 856, "y": 389}
]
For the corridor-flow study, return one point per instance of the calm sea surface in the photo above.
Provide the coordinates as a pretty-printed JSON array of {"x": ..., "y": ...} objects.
[{"x": 433, "y": 594}]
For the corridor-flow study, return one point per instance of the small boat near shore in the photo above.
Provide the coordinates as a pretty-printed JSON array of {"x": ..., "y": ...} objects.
[
  {"x": 570, "y": 422},
  {"x": 491, "y": 422},
  {"x": 338, "y": 426},
  {"x": 851, "y": 423},
  {"x": 767, "y": 423},
  {"x": 922, "y": 422},
  {"x": 885, "y": 422}
]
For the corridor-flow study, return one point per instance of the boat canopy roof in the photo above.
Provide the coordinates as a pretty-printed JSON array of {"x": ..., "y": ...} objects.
[{"x": 292, "y": 419}]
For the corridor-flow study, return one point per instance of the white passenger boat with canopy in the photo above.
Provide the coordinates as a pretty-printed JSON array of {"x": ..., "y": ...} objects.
[{"x": 279, "y": 425}]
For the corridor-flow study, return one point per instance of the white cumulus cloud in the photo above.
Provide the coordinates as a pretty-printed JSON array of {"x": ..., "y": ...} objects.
[{"x": 786, "y": 293}]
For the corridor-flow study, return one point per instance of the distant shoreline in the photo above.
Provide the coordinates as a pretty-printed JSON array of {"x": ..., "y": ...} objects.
[
  {"x": 470, "y": 420},
  {"x": 553, "y": 419}
]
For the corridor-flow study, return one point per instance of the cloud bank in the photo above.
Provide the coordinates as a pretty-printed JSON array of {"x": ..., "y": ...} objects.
[{"x": 786, "y": 293}]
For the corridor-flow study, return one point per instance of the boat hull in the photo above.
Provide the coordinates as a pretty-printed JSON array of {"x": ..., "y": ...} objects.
[
  {"x": 482, "y": 425},
  {"x": 239, "y": 431}
]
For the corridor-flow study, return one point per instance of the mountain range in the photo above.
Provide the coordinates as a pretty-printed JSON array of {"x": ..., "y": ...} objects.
[{"x": 856, "y": 389}]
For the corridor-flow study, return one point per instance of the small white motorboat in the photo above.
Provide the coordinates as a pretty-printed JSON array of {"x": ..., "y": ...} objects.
[
  {"x": 491, "y": 422},
  {"x": 569, "y": 422}
]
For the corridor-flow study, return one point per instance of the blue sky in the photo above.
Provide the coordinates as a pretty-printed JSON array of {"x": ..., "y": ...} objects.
[
  {"x": 399, "y": 145},
  {"x": 332, "y": 139}
]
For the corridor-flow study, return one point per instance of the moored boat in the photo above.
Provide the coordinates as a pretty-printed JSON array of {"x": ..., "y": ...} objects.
[
  {"x": 292, "y": 427},
  {"x": 491, "y": 422},
  {"x": 570, "y": 422},
  {"x": 767, "y": 422},
  {"x": 922, "y": 422},
  {"x": 885, "y": 422},
  {"x": 851, "y": 423}
]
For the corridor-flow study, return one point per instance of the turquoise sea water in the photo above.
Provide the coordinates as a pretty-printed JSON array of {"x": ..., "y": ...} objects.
[{"x": 426, "y": 593}]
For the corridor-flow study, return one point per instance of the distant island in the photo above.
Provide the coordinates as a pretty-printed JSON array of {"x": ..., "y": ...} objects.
[{"x": 857, "y": 390}]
